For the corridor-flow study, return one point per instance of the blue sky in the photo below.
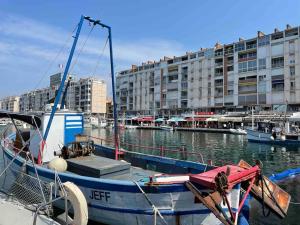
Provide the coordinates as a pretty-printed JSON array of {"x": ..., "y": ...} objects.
[{"x": 32, "y": 33}]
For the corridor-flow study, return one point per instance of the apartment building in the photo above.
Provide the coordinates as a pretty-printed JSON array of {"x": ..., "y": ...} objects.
[
  {"x": 263, "y": 71},
  {"x": 10, "y": 104},
  {"x": 86, "y": 94}
]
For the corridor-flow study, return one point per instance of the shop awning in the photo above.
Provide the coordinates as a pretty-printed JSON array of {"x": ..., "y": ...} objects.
[
  {"x": 212, "y": 119},
  {"x": 230, "y": 119},
  {"x": 196, "y": 119},
  {"x": 160, "y": 120},
  {"x": 145, "y": 119},
  {"x": 176, "y": 119}
]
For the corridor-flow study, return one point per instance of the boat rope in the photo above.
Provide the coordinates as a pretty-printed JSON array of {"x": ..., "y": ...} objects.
[
  {"x": 100, "y": 56},
  {"x": 155, "y": 209},
  {"x": 263, "y": 198},
  {"x": 271, "y": 194},
  {"x": 56, "y": 56},
  {"x": 42, "y": 140},
  {"x": 295, "y": 203},
  {"x": 81, "y": 50},
  {"x": 15, "y": 156}
]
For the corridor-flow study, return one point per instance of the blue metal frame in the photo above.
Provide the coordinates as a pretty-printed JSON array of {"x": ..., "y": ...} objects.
[
  {"x": 95, "y": 22},
  {"x": 60, "y": 90},
  {"x": 63, "y": 79}
]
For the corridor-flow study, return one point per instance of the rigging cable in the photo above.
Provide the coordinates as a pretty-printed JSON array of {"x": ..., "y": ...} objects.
[
  {"x": 100, "y": 56},
  {"x": 56, "y": 56},
  {"x": 81, "y": 50}
]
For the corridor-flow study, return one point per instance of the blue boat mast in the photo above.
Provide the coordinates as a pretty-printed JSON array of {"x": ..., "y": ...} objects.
[
  {"x": 60, "y": 90},
  {"x": 116, "y": 136}
]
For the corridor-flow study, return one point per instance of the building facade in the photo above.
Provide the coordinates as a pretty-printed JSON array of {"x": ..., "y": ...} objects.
[
  {"x": 86, "y": 94},
  {"x": 263, "y": 71},
  {"x": 10, "y": 104}
]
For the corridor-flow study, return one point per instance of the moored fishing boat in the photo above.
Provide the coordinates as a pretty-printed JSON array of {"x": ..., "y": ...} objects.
[
  {"x": 140, "y": 188},
  {"x": 269, "y": 132},
  {"x": 115, "y": 196}
]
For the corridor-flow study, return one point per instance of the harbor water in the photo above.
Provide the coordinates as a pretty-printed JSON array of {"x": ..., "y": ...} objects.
[{"x": 221, "y": 149}]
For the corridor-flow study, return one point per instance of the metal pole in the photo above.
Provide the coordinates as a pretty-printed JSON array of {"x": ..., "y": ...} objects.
[
  {"x": 252, "y": 110},
  {"x": 62, "y": 84},
  {"x": 114, "y": 94}
]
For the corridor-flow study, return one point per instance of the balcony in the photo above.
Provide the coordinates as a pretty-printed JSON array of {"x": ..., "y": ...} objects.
[
  {"x": 218, "y": 64},
  {"x": 228, "y": 98},
  {"x": 172, "y": 86},
  {"x": 277, "y": 62},
  {"x": 219, "y": 53},
  {"x": 184, "y": 86},
  {"x": 218, "y": 74},
  {"x": 184, "y": 96},
  {"x": 250, "y": 46}
]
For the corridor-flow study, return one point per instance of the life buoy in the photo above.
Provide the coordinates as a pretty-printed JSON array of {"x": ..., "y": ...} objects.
[{"x": 78, "y": 201}]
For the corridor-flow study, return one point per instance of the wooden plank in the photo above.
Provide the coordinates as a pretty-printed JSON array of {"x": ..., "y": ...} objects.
[
  {"x": 209, "y": 202},
  {"x": 282, "y": 198}
]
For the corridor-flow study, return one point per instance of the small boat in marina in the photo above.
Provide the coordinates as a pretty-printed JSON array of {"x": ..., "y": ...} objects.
[
  {"x": 123, "y": 187},
  {"x": 276, "y": 133},
  {"x": 102, "y": 123},
  {"x": 167, "y": 128},
  {"x": 128, "y": 126},
  {"x": 4, "y": 122},
  {"x": 238, "y": 131}
]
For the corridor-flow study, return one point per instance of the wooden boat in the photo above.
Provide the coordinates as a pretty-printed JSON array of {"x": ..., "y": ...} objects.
[
  {"x": 140, "y": 188},
  {"x": 113, "y": 188}
]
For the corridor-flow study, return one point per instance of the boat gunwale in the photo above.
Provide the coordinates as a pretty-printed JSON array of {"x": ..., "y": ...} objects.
[{"x": 107, "y": 183}]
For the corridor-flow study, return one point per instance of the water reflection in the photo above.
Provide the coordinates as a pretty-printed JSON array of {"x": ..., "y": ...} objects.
[
  {"x": 224, "y": 148},
  {"x": 221, "y": 148}
]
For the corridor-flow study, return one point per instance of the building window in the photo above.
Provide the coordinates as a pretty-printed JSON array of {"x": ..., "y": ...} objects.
[
  {"x": 277, "y": 62},
  {"x": 292, "y": 47},
  {"x": 242, "y": 67},
  {"x": 262, "y": 77},
  {"x": 239, "y": 47},
  {"x": 265, "y": 40},
  {"x": 292, "y": 70},
  {"x": 252, "y": 65},
  {"x": 292, "y": 87},
  {"x": 230, "y": 68},
  {"x": 278, "y": 83},
  {"x": 262, "y": 64},
  {"x": 230, "y": 92}
]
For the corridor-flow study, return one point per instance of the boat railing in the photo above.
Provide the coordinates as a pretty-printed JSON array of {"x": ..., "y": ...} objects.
[
  {"x": 27, "y": 189},
  {"x": 163, "y": 151}
]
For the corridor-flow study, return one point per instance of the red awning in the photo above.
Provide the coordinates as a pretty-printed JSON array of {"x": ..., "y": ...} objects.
[
  {"x": 190, "y": 119},
  {"x": 145, "y": 119}
]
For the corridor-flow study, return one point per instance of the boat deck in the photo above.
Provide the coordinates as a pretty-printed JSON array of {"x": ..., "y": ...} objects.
[
  {"x": 102, "y": 167},
  {"x": 16, "y": 214}
]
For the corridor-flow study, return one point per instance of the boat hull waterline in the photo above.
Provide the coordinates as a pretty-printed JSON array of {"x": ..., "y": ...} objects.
[
  {"x": 261, "y": 137},
  {"x": 119, "y": 202}
]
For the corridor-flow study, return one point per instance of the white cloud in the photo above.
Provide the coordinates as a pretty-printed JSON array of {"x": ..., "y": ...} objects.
[{"x": 35, "y": 44}]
